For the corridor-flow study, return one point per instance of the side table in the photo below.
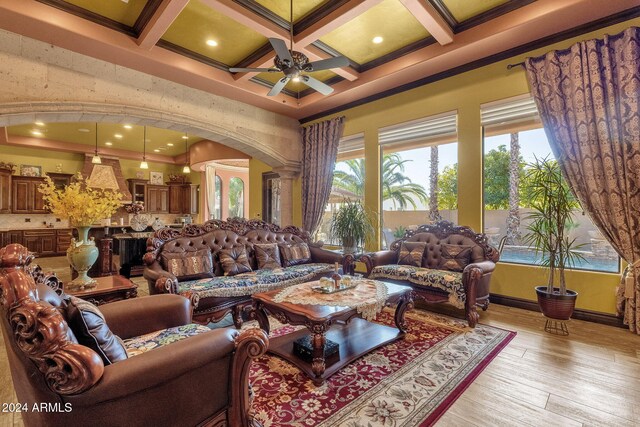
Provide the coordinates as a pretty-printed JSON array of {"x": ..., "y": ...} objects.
[{"x": 109, "y": 289}]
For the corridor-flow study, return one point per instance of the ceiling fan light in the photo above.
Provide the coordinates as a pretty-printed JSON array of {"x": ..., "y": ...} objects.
[{"x": 296, "y": 79}]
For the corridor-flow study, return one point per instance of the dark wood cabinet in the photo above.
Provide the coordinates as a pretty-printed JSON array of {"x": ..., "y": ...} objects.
[
  {"x": 63, "y": 240},
  {"x": 60, "y": 180},
  {"x": 42, "y": 242},
  {"x": 138, "y": 189},
  {"x": 183, "y": 198},
  {"x": 5, "y": 190},
  {"x": 25, "y": 197},
  {"x": 176, "y": 198},
  {"x": 157, "y": 198},
  {"x": 14, "y": 236}
]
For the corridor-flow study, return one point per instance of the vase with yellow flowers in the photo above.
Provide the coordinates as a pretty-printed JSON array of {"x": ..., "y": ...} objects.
[{"x": 82, "y": 206}]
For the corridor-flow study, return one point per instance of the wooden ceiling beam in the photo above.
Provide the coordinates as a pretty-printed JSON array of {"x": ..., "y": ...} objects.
[
  {"x": 246, "y": 17},
  {"x": 430, "y": 19},
  {"x": 333, "y": 20},
  {"x": 160, "y": 22},
  {"x": 316, "y": 54}
]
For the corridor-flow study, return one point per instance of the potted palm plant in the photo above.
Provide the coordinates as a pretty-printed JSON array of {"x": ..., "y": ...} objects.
[
  {"x": 352, "y": 224},
  {"x": 551, "y": 221}
]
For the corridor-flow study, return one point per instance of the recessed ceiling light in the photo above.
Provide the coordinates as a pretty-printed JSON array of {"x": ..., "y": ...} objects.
[
  {"x": 108, "y": 143},
  {"x": 84, "y": 130},
  {"x": 169, "y": 144},
  {"x": 212, "y": 43},
  {"x": 127, "y": 126},
  {"x": 39, "y": 123},
  {"x": 156, "y": 150},
  {"x": 185, "y": 137},
  {"x": 118, "y": 135},
  {"x": 36, "y": 132},
  {"x": 377, "y": 40}
]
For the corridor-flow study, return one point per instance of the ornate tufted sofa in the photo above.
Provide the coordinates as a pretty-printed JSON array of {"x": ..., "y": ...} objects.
[
  {"x": 175, "y": 372},
  {"x": 435, "y": 279},
  {"x": 214, "y": 294}
]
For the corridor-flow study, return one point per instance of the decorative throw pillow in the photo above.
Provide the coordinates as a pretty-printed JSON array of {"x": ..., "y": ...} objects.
[
  {"x": 295, "y": 254},
  {"x": 411, "y": 253},
  {"x": 454, "y": 257},
  {"x": 189, "y": 265},
  {"x": 234, "y": 260},
  {"x": 91, "y": 330},
  {"x": 268, "y": 255}
]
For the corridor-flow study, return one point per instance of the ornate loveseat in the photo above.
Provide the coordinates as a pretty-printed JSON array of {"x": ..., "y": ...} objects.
[
  {"x": 454, "y": 264},
  {"x": 214, "y": 293},
  {"x": 68, "y": 368}
]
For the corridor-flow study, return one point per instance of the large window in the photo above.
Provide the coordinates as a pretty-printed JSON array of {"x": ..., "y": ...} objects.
[
  {"x": 217, "y": 199},
  {"x": 348, "y": 183},
  {"x": 514, "y": 139},
  {"x": 419, "y": 174},
  {"x": 236, "y": 198}
]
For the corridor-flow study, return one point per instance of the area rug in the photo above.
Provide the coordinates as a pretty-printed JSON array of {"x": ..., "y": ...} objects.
[{"x": 410, "y": 382}]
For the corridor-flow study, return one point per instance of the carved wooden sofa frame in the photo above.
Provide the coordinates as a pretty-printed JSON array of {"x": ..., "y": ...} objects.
[
  {"x": 475, "y": 276},
  {"x": 49, "y": 368},
  {"x": 246, "y": 232}
]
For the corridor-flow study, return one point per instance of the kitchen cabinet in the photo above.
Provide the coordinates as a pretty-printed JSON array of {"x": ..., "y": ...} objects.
[
  {"x": 60, "y": 180},
  {"x": 5, "y": 190},
  {"x": 63, "y": 240},
  {"x": 138, "y": 189},
  {"x": 14, "y": 236},
  {"x": 42, "y": 242},
  {"x": 183, "y": 198},
  {"x": 25, "y": 197},
  {"x": 157, "y": 198}
]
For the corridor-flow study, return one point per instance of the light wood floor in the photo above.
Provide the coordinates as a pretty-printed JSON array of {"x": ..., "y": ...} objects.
[{"x": 590, "y": 378}]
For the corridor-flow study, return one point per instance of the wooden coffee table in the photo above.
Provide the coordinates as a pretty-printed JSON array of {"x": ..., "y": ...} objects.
[
  {"x": 108, "y": 289},
  {"x": 342, "y": 325}
]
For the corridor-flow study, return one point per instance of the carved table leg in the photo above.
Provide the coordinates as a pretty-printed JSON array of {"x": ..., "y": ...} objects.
[
  {"x": 261, "y": 315},
  {"x": 319, "y": 339},
  {"x": 318, "y": 365},
  {"x": 405, "y": 303}
]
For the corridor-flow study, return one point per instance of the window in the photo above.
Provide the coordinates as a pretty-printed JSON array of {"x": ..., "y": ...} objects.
[
  {"x": 236, "y": 198},
  {"x": 217, "y": 199},
  {"x": 513, "y": 139},
  {"x": 348, "y": 182},
  {"x": 419, "y": 174}
]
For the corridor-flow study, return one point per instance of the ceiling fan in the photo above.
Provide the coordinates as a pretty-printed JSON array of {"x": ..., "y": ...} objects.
[{"x": 293, "y": 64}]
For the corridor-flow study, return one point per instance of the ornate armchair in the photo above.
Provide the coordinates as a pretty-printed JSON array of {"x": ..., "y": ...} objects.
[{"x": 199, "y": 380}]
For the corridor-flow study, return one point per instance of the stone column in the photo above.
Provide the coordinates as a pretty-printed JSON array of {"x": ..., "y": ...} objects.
[{"x": 286, "y": 195}]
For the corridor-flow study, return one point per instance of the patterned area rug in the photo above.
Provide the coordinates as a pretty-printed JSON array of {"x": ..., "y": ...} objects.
[{"x": 410, "y": 382}]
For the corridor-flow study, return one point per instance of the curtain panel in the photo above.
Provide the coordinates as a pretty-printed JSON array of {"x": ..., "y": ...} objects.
[
  {"x": 320, "y": 150},
  {"x": 588, "y": 97}
]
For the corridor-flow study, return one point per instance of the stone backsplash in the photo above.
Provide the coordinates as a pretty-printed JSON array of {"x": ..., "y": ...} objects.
[{"x": 29, "y": 221}]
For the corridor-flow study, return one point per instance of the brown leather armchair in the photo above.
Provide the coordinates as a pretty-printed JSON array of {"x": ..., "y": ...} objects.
[{"x": 200, "y": 380}]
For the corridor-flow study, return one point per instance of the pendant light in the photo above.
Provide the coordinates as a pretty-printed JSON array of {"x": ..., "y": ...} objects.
[
  {"x": 186, "y": 168},
  {"x": 144, "y": 164},
  {"x": 96, "y": 160}
]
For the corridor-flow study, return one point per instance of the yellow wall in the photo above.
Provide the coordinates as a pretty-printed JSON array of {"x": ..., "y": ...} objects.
[
  {"x": 465, "y": 93},
  {"x": 72, "y": 162}
]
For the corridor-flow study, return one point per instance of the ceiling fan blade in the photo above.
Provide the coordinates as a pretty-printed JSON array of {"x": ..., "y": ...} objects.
[
  {"x": 317, "y": 85},
  {"x": 280, "y": 46},
  {"x": 251, "y": 70},
  {"x": 327, "y": 64},
  {"x": 277, "y": 88}
]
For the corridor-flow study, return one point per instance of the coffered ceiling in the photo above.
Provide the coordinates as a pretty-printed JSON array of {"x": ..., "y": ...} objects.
[{"x": 389, "y": 43}]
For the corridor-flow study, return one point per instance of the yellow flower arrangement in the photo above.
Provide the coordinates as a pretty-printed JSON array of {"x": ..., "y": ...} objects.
[{"x": 80, "y": 204}]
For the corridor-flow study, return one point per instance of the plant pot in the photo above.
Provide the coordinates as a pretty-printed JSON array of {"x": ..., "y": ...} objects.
[
  {"x": 349, "y": 246},
  {"x": 554, "y": 305}
]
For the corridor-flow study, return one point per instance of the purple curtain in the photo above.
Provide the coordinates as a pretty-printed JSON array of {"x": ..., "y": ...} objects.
[
  {"x": 589, "y": 98},
  {"x": 319, "y": 152}
]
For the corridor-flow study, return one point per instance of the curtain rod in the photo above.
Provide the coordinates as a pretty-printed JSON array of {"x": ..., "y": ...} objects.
[{"x": 518, "y": 64}]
